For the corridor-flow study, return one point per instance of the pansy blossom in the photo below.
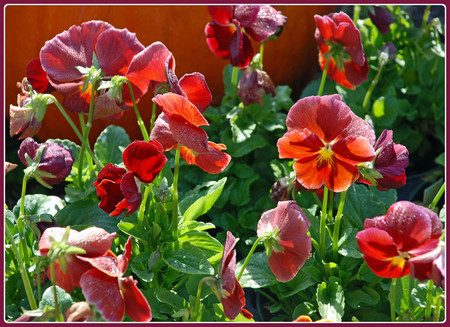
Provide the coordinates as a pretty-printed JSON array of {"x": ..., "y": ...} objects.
[
  {"x": 287, "y": 243},
  {"x": 95, "y": 241},
  {"x": 226, "y": 37},
  {"x": 328, "y": 140},
  {"x": 232, "y": 294},
  {"x": 112, "y": 52},
  {"x": 117, "y": 188},
  {"x": 113, "y": 294},
  {"x": 394, "y": 243},
  {"x": 389, "y": 165},
  {"x": 337, "y": 36}
]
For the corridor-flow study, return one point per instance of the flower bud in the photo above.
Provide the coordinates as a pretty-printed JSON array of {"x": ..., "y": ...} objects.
[
  {"x": 253, "y": 84},
  {"x": 79, "y": 311},
  {"x": 381, "y": 18},
  {"x": 50, "y": 165}
]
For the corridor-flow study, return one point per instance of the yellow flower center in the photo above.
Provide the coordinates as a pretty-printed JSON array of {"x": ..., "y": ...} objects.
[
  {"x": 326, "y": 154},
  {"x": 398, "y": 261}
]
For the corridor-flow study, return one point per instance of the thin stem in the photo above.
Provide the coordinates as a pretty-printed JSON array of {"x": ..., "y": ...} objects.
[
  {"x": 426, "y": 15},
  {"x": 197, "y": 300},
  {"x": 23, "y": 271},
  {"x": 175, "y": 194},
  {"x": 437, "y": 197},
  {"x": 437, "y": 313},
  {"x": 142, "y": 207},
  {"x": 356, "y": 10},
  {"x": 323, "y": 218},
  {"x": 234, "y": 82},
  {"x": 337, "y": 224},
  {"x": 152, "y": 123},
  {"x": 392, "y": 299},
  {"x": 20, "y": 223},
  {"x": 331, "y": 204},
  {"x": 324, "y": 76},
  {"x": 249, "y": 255},
  {"x": 55, "y": 293},
  {"x": 429, "y": 299},
  {"x": 371, "y": 88},
  {"x": 261, "y": 54},
  {"x": 77, "y": 132},
  {"x": 138, "y": 116}
]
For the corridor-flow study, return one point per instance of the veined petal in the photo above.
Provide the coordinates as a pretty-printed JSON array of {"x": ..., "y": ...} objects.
[
  {"x": 376, "y": 243},
  {"x": 115, "y": 49},
  {"x": 394, "y": 268},
  {"x": 130, "y": 192},
  {"x": 299, "y": 144},
  {"x": 136, "y": 305},
  {"x": 354, "y": 150},
  {"x": 161, "y": 132},
  {"x": 103, "y": 291},
  {"x": 172, "y": 104},
  {"x": 144, "y": 159},
  {"x": 196, "y": 90},
  {"x": 188, "y": 134},
  {"x": 70, "y": 279}
]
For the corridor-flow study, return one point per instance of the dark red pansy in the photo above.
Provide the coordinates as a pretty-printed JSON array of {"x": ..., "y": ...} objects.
[
  {"x": 381, "y": 18},
  {"x": 37, "y": 77},
  {"x": 337, "y": 35},
  {"x": 233, "y": 296},
  {"x": 393, "y": 243},
  {"x": 113, "y": 294},
  {"x": 328, "y": 140},
  {"x": 287, "y": 226}
]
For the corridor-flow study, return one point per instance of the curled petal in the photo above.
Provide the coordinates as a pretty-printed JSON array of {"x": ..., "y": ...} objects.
[
  {"x": 106, "y": 264},
  {"x": 23, "y": 121},
  {"x": 174, "y": 104},
  {"x": 213, "y": 161},
  {"x": 136, "y": 305},
  {"x": 103, "y": 291},
  {"x": 124, "y": 258},
  {"x": 228, "y": 264},
  {"x": 105, "y": 107},
  {"x": 94, "y": 240},
  {"x": 241, "y": 50},
  {"x": 234, "y": 302}
]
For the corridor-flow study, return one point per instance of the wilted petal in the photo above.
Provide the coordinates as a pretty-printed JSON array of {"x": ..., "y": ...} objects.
[
  {"x": 136, "y": 305},
  {"x": 23, "y": 121},
  {"x": 105, "y": 107},
  {"x": 103, "y": 291}
]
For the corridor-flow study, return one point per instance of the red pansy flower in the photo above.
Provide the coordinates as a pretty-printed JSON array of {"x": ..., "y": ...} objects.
[
  {"x": 117, "y": 188},
  {"x": 390, "y": 163},
  {"x": 225, "y": 34},
  {"x": 233, "y": 296},
  {"x": 328, "y": 140},
  {"x": 95, "y": 241},
  {"x": 393, "y": 243},
  {"x": 336, "y": 35},
  {"x": 37, "y": 77},
  {"x": 113, "y": 51},
  {"x": 111, "y": 292},
  {"x": 287, "y": 244}
]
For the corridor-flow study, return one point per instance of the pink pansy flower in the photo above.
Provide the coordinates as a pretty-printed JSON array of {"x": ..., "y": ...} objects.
[
  {"x": 112, "y": 51},
  {"x": 393, "y": 243},
  {"x": 233, "y": 296},
  {"x": 287, "y": 243},
  {"x": 390, "y": 163},
  {"x": 336, "y": 35},
  {"x": 117, "y": 188},
  {"x": 95, "y": 241},
  {"x": 113, "y": 294},
  {"x": 328, "y": 140},
  {"x": 226, "y": 37}
]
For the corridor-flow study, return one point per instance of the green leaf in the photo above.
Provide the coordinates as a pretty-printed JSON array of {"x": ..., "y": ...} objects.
[
  {"x": 241, "y": 194},
  {"x": 307, "y": 276},
  {"x": 39, "y": 204},
  {"x": 431, "y": 191},
  {"x": 107, "y": 145},
  {"x": 364, "y": 295},
  {"x": 132, "y": 230},
  {"x": 171, "y": 298},
  {"x": 385, "y": 111},
  {"x": 257, "y": 273},
  {"x": 86, "y": 213},
  {"x": 205, "y": 203},
  {"x": 205, "y": 242},
  {"x": 187, "y": 258},
  {"x": 330, "y": 300},
  {"x": 48, "y": 299}
]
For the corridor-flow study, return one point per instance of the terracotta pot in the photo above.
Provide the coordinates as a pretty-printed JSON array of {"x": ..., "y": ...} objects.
[{"x": 290, "y": 60}]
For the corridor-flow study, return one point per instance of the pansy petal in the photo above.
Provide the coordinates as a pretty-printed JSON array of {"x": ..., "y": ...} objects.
[
  {"x": 214, "y": 161},
  {"x": 124, "y": 258},
  {"x": 241, "y": 50},
  {"x": 130, "y": 192},
  {"x": 106, "y": 264},
  {"x": 37, "y": 77},
  {"x": 174, "y": 104},
  {"x": 388, "y": 268},
  {"x": 161, "y": 132},
  {"x": 144, "y": 159},
  {"x": 196, "y": 90},
  {"x": 265, "y": 24},
  {"x": 75, "y": 101},
  {"x": 69, "y": 279},
  {"x": 221, "y": 14},
  {"x": 115, "y": 49},
  {"x": 50, "y": 234},
  {"x": 106, "y": 107},
  {"x": 188, "y": 134},
  {"x": 376, "y": 243},
  {"x": 103, "y": 291},
  {"x": 228, "y": 264},
  {"x": 94, "y": 240},
  {"x": 145, "y": 67},
  {"x": 247, "y": 14},
  {"x": 110, "y": 195},
  {"x": 354, "y": 150},
  {"x": 356, "y": 74},
  {"x": 218, "y": 38},
  {"x": 233, "y": 303},
  {"x": 136, "y": 305},
  {"x": 297, "y": 144}
]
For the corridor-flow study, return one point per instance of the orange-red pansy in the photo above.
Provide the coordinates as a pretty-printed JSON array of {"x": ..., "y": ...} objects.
[{"x": 328, "y": 140}]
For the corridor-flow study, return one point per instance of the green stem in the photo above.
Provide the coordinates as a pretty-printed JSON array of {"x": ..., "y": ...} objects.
[
  {"x": 175, "y": 194},
  {"x": 197, "y": 300},
  {"x": 323, "y": 218},
  {"x": 324, "y": 76},
  {"x": 142, "y": 207},
  {"x": 356, "y": 10},
  {"x": 23, "y": 271},
  {"x": 331, "y": 204},
  {"x": 138, "y": 116},
  {"x": 392, "y": 298},
  {"x": 261, "y": 54},
  {"x": 234, "y": 82},
  {"x": 438, "y": 309},
  {"x": 77, "y": 132},
  {"x": 152, "y": 123},
  {"x": 249, "y": 255},
  {"x": 429, "y": 300},
  {"x": 337, "y": 224},
  {"x": 426, "y": 15},
  {"x": 20, "y": 222},
  {"x": 437, "y": 197},
  {"x": 371, "y": 88},
  {"x": 55, "y": 293},
  {"x": 87, "y": 128}
]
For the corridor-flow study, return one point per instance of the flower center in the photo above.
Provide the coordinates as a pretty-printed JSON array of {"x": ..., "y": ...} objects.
[
  {"x": 326, "y": 154},
  {"x": 398, "y": 261}
]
